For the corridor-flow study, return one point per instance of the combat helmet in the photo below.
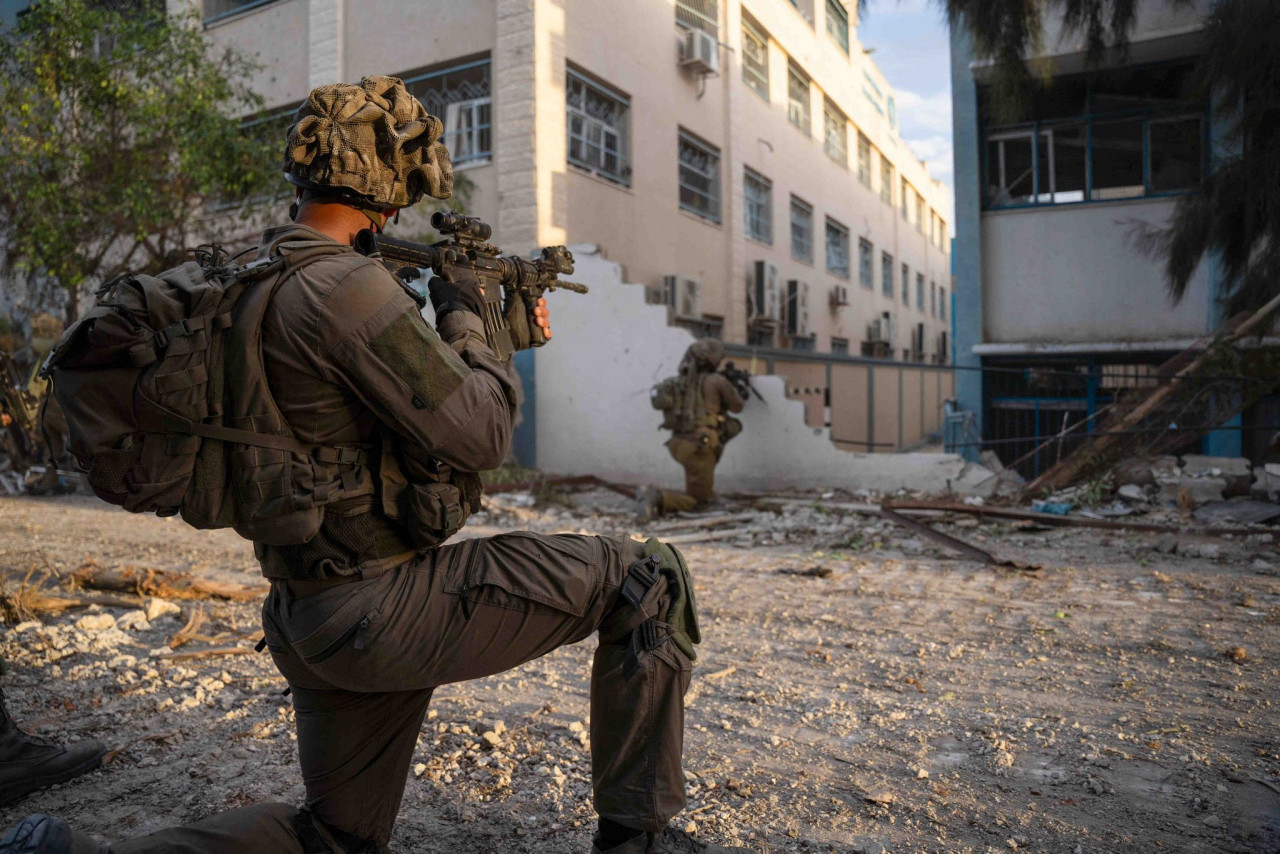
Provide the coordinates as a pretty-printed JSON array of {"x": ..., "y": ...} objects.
[
  {"x": 706, "y": 353},
  {"x": 372, "y": 143}
]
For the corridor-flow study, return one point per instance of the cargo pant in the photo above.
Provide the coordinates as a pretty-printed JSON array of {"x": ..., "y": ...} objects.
[
  {"x": 699, "y": 460},
  {"x": 362, "y": 659}
]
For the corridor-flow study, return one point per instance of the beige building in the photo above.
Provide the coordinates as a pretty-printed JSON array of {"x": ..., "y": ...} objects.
[{"x": 741, "y": 158}]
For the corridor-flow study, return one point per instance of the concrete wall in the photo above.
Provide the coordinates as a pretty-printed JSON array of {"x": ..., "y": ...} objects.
[
  {"x": 276, "y": 37},
  {"x": 1069, "y": 273},
  {"x": 594, "y": 417}
]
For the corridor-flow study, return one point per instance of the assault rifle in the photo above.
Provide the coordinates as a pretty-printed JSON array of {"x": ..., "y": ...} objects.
[
  {"x": 20, "y": 407},
  {"x": 468, "y": 256},
  {"x": 741, "y": 380}
]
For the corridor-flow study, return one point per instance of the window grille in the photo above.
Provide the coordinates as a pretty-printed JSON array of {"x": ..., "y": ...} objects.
[
  {"x": 798, "y": 99},
  {"x": 838, "y": 23},
  {"x": 801, "y": 230},
  {"x": 460, "y": 97},
  {"x": 865, "y": 273},
  {"x": 836, "y": 134},
  {"x": 886, "y": 274},
  {"x": 699, "y": 177},
  {"x": 599, "y": 129},
  {"x": 698, "y": 15},
  {"x": 864, "y": 159},
  {"x": 755, "y": 60},
  {"x": 837, "y": 249},
  {"x": 839, "y": 346},
  {"x": 757, "y": 192}
]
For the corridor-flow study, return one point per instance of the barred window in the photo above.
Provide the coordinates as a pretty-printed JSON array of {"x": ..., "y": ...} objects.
[
  {"x": 886, "y": 274},
  {"x": 864, "y": 159},
  {"x": 698, "y": 15},
  {"x": 801, "y": 230},
  {"x": 865, "y": 273},
  {"x": 886, "y": 181},
  {"x": 837, "y": 249},
  {"x": 461, "y": 97},
  {"x": 836, "y": 133},
  {"x": 798, "y": 99},
  {"x": 839, "y": 346},
  {"x": 755, "y": 60},
  {"x": 757, "y": 193},
  {"x": 838, "y": 23},
  {"x": 699, "y": 177},
  {"x": 599, "y": 129}
]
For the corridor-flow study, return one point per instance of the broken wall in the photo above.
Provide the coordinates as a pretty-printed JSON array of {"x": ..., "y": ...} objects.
[{"x": 592, "y": 412}]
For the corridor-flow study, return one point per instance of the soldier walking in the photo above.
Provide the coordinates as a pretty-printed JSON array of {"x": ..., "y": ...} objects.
[{"x": 368, "y": 612}]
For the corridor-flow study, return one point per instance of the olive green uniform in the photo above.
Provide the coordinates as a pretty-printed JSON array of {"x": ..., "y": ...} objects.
[
  {"x": 699, "y": 451},
  {"x": 364, "y": 626}
]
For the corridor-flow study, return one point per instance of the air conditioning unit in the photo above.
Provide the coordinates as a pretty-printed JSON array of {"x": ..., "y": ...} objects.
[
  {"x": 658, "y": 294},
  {"x": 684, "y": 295},
  {"x": 797, "y": 309},
  {"x": 876, "y": 331},
  {"x": 839, "y": 296},
  {"x": 766, "y": 300},
  {"x": 701, "y": 52}
]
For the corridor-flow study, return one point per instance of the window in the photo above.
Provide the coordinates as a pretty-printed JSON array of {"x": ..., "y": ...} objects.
[
  {"x": 757, "y": 193},
  {"x": 699, "y": 177},
  {"x": 801, "y": 230},
  {"x": 804, "y": 345},
  {"x": 904, "y": 198},
  {"x": 835, "y": 133},
  {"x": 942, "y": 303},
  {"x": 942, "y": 234},
  {"x": 920, "y": 291},
  {"x": 698, "y": 15},
  {"x": 838, "y": 24},
  {"x": 837, "y": 249},
  {"x": 906, "y": 285},
  {"x": 755, "y": 60},
  {"x": 839, "y": 346},
  {"x": 599, "y": 129},
  {"x": 798, "y": 99},
  {"x": 864, "y": 159},
  {"x": 460, "y": 96},
  {"x": 865, "y": 273},
  {"x": 886, "y": 274},
  {"x": 214, "y": 9},
  {"x": 919, "y": 213},
  {"x": 933, "y": 299},
  {"x": 886, "y": 181},
  {"x": 1094, "y": 137}
]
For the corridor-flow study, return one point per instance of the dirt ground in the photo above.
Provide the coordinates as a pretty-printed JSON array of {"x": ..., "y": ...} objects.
[{"x": 858, "y": 690}]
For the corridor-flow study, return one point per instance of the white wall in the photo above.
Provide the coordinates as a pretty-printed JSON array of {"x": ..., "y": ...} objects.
[
  {"x": 593, "y": 413},
  {"x": 1070, "y": 273}
]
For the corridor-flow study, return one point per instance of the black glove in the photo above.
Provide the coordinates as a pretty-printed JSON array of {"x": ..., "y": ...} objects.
[{"x": 454, "y": 296}]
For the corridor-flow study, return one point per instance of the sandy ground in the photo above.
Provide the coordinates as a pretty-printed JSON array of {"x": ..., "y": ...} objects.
[{"x": 1120, "y": 699}]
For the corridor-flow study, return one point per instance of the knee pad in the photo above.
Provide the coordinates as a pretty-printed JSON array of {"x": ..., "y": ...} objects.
[{"x": 682, "y": 614}]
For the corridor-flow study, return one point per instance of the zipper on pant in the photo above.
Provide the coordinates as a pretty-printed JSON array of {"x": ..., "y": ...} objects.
[{"x": 362, "y": 628}]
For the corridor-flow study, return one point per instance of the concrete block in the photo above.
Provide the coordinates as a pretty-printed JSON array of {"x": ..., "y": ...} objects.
[
  {"x": 1192, "y": 491},
  {"x": 1236, "y": 471},
  {"x": 1266, "y": 482}
]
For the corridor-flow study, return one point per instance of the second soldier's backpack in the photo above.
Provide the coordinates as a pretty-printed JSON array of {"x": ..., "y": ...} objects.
[
  {"x": 167, "y": 402},
  {"x": 679, "y": 399}
]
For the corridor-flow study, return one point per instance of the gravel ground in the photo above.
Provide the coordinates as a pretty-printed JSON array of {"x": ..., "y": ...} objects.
[{"x": 858, "y": 690}]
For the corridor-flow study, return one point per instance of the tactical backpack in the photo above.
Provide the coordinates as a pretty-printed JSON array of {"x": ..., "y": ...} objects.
[{"x": 143, "y": 379}]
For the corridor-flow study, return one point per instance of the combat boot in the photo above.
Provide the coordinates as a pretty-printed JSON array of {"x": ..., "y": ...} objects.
[
  {"x": 670, "y": 841},
  {"x": 28, "y": 762},
  {"x": 44, "y": 834}
]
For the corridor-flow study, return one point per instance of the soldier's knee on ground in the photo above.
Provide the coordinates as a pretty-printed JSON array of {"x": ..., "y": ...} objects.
[{"x": 320, "y": 837}]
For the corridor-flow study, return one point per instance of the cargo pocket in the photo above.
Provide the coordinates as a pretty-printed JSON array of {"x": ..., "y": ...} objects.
[
  {"x": 334, "y": 635},
  {"x": 524, "y": 571}
]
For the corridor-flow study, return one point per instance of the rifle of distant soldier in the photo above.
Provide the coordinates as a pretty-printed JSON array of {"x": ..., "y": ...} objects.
[
  {"x": 17, "y": 413},
  {"x": 741, "y": 380},
  {"x": 468, "y": 256}
]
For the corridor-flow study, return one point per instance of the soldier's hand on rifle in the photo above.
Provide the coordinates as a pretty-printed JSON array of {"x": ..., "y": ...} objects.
[
  {"x": 526, "y": 323},
  {"x": 452, "y": 296},
  {"x": 6, "y": 419}
]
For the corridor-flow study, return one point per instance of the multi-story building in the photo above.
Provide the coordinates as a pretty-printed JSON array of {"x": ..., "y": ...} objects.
[
  {"x": 740, "y": 158},
  {"x": 1056, "y": 303}
]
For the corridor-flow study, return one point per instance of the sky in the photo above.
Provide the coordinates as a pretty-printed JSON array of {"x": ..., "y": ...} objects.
[{"x": 913, "y": 49}]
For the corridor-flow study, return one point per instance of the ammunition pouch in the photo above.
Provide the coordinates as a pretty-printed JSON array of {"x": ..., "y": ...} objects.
[
  {"x": 432, "y": 513},
  {"x": 729, "y": 428}
]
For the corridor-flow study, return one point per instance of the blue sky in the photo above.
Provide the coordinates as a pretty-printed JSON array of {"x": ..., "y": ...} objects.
[{"x": 912, "y": 48}]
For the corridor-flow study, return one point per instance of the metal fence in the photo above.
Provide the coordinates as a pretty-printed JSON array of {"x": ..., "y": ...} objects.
[{"x": 869, "y": 404}]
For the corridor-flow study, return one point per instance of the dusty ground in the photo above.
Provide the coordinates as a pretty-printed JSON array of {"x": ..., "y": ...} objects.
[{"x": 893, "y": 699}]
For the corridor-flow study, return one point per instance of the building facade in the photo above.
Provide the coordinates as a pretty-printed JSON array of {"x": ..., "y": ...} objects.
[
  {"x": 1056, "y": 304},
  {"x": 741, "y": 159}
]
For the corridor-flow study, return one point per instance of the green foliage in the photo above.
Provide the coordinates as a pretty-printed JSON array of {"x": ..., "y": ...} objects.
[{"x": 116, "y": 130}]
